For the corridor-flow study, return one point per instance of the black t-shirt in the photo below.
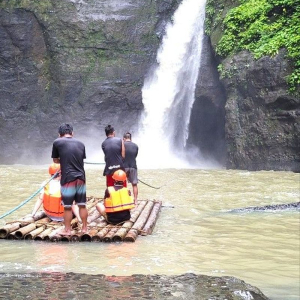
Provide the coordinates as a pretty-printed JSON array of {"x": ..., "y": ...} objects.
[
  {"x": 131, "y": 152},
  {"x": 71, "y": 153},
  {"x": 112, "y": 148}
]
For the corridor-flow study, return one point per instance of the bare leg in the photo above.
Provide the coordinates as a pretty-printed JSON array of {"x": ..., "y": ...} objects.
[
  {"x": 83, "y": 215},
  {"x": 135, "y": 193},
  {"x": 101, "y": 208},
  {"x": 68, "y": 215},
  {"x": 37, "y": 205},
  {"x": 75, "y": 210}
]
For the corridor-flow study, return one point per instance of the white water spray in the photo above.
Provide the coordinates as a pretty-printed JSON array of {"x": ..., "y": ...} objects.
[{"x": 169, "y": 92}]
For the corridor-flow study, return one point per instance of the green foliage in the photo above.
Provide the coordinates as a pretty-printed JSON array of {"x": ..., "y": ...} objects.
[{"x": 264, "y": 27}]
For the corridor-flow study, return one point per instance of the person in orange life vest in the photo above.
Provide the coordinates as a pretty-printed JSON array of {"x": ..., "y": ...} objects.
[
  {"x": 50, "y": 197},
  {"x": 117, "y": 200}
]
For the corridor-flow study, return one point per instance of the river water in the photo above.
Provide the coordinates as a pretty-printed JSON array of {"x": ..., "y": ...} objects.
[{"x": 194, "y": 233}]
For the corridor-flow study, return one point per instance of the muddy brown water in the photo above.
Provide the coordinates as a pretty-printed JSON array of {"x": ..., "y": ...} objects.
[{"x": 194, "y": 232}]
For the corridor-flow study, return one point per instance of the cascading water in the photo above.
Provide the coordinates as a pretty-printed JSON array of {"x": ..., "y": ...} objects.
[{"x": 169, "y": 92}]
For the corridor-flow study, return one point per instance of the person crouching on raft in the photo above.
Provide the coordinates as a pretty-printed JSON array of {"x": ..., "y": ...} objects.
[
  {"x": 50, "y": 197},
  {"x": 117, "y": 200}
]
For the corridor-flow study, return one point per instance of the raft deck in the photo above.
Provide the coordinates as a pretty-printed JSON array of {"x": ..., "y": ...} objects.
[{"x": 41, "y": 228}]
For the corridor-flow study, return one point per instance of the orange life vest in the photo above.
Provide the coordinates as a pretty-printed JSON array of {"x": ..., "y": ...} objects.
[
  {"x": 52, "y": 203},
  {"x": 118, "y": 201}
]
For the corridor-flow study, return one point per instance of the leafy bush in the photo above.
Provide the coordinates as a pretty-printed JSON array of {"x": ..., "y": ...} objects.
[{"x": 263, "y": 27}]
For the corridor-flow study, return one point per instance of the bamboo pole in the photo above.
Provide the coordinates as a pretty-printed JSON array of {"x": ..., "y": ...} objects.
[
  {"x": 87, "y": 237},
  {"x": 132, "y": 234},
  {"x": 43, "y": 221},
  {"x": 65, "y": 238},
  {"x": 8, "y": 228},
  {"x": 134, "y": 213},
  {"x": 75, "y": 236},
  {"x": 12, "y": 236},
  {"x": 101, "y": 233},
  {"x": 148, "y": 228},
  {"x": 43, "y": 234},
  {"x": 110, "y": 234},
  {"x": 120, "y": 234},
  {"x": 31, "y": 235},
  {"x": 53, "y": 235},
  {"x": 20, "y": 233}
]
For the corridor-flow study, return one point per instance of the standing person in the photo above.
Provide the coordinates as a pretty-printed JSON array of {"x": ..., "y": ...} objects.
[
  {"x": 131, "y": 152},
  {"x": 70, "y": 153},
  {"x": 117, "y": 201},
  {"x": 114, "y": 153},
  {"x": 50, "y": 197}
]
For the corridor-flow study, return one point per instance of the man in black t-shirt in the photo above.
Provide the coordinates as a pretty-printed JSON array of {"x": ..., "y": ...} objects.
[
  {"x": 70, "y": 153},
  {"x": 114, "y": 153},
  {"x": 131, "y": 152}
]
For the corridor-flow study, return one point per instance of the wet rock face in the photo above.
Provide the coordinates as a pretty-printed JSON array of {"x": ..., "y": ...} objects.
[
  {"x": 186, "y": 286},
  {"x": 207, "y": 123},
  {"x": 262, "y": 118},
  {"x": 81, "y": 62}
]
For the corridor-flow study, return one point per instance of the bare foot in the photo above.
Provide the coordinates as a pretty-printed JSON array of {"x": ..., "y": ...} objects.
[
  {"x": 84, "y": 230},
  {"x": 65, "y": 232}
]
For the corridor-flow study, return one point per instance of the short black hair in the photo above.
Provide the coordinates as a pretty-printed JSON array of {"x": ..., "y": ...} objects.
[
  {"x": 65, "y": 129},
  {"x": 127, "y": 135},
  {"x": 109, "y": 130}
]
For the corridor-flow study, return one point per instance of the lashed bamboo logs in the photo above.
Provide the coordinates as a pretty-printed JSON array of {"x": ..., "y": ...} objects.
[
  {"x": 139, "y": 224},
  {"x": 75, "y": 237},
  {"x": 142, "y": 221},
  {"x": 110, "y": 234},
  {"x": 121, "y": 232},
  {"x": 31, "y": 235},
  {"x": 87, "y": 237},
  {"x": 8, "y": 228},
  {"x": 148, "y": 228},
  {"x": 43, "y": 234},
  {"x": 101, "y": 233},
  {"x": 20, "y": 233},
  {"x": 54, "y": 235}
]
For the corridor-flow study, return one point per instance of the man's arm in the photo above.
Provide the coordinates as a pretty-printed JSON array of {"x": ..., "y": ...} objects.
[
  {"x": 56, "y": 160},
  {"x": 123, "y": 149}
]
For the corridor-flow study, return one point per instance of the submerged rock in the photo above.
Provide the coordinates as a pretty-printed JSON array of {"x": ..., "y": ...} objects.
[{"x": 161, "y": 287}]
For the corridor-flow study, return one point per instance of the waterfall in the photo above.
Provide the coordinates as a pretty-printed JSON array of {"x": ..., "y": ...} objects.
[{"x": 169, "y": 92}]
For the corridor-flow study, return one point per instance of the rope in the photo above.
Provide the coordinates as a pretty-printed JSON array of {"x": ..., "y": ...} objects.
[
  {"x": 28, "y": 199},
  {"x": 95, "y": 163},
  {"x": 150, "y": 185}
]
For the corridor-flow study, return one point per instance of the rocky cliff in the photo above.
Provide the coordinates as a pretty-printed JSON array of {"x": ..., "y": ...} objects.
[
  {"x": 262, "y": 115},
  {"x": 82, "y": 62}
]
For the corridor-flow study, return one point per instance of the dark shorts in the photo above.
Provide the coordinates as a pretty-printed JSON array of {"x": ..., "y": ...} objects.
[
  {"x": 74, "y": 190},
  {"x": 110, "y": 181},
  {"x": 132, "y": 175}
]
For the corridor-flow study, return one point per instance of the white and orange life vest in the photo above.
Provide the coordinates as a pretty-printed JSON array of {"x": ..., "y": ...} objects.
[
  {"x": 52, "y": 201},
  {"x": 118, "y": 201}
]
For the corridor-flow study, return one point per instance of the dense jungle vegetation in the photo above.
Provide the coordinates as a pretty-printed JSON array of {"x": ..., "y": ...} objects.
[{"x": 260, "y": 26}]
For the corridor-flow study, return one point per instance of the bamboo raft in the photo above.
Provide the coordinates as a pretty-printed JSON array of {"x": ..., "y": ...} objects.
[{"x": 41, "y": 228}]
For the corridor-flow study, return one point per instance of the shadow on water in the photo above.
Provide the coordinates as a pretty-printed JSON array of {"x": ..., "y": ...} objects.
[{"x": 83, "y": 286}]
